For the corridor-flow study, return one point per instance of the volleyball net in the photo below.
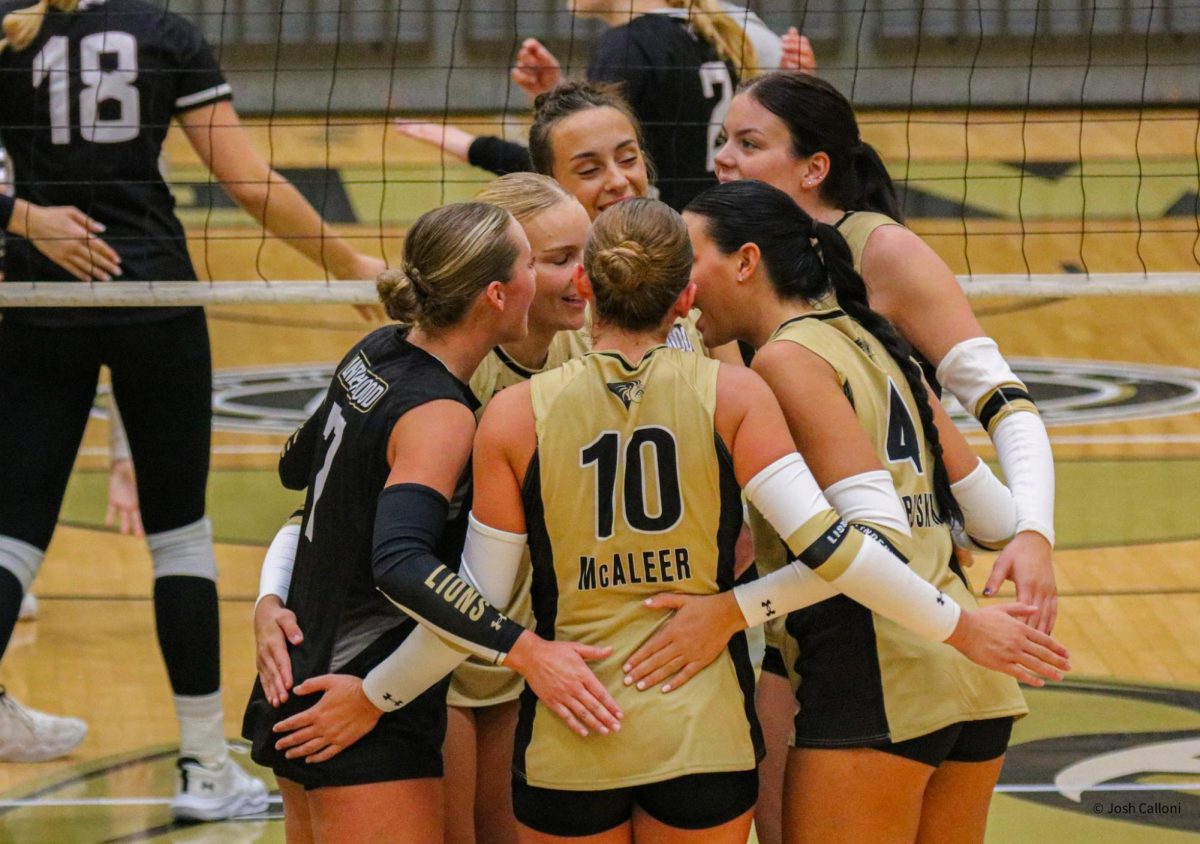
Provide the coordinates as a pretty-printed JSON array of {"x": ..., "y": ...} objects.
[{"x": 1042, "y": 149}]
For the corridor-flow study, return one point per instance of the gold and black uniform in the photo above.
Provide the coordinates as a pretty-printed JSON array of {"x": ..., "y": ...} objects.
[
  {"x": 860, "y": 679},
  {"x": 631, "y": 492},
  {"x": 476, "y": 683}
]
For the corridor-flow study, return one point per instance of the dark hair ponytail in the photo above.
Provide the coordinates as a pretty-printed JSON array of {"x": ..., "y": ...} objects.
[
  {"x": 819, "y": 119},
  {"x": 851, "y": 292},
  {"x": 807, "y": 259}
]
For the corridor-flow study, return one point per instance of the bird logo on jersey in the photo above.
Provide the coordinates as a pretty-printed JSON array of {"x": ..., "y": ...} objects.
[{"x": 627, "y": 391}]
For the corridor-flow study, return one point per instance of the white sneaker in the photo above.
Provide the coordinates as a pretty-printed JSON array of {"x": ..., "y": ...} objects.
[
  {"x": 29, "y": 609},
  {"x": 213, "y": 794},
  {"x": 27, "y": 735}
]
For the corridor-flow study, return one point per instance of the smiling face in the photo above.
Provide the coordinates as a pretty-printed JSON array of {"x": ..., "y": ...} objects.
[
  {"x": 597, "y": 158},
  {"x": 717, "y": 291},
  {"x": 557, "y": 237},
  {"x": 759, "y": 146}
]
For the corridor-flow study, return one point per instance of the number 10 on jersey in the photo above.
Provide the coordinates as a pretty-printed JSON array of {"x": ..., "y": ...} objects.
[{"x": 648, "y": 448}]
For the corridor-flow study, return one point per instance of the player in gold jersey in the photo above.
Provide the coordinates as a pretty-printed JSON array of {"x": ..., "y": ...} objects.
[
  {"x": 798, "y": 133},
  {"x": 482, "y": 716},
  {"x": 621, "y": 470},
  {"x": 877, "y": 705}
]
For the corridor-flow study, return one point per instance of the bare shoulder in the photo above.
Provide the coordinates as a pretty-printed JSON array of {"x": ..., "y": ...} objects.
[
  {"x": 783, "y": 361},
  {"x": 507, "y": 425}
]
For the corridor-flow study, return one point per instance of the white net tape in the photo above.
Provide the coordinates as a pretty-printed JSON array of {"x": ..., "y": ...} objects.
[{"x": 182, "y": 293}]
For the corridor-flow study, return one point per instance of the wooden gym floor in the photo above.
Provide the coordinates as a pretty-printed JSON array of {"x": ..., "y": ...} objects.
[{"x": 1119, "y": 380}]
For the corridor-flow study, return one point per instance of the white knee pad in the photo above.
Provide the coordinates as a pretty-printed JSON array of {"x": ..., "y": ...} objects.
[
  {"x": 22, "y": 559},
  {"x": 185, "y": 551}
]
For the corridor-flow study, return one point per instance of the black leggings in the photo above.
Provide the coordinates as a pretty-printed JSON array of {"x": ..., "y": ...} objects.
[{"x": 162, "y": 380}]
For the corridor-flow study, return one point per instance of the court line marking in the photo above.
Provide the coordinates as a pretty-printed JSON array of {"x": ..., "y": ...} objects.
[{"x": 1011, "y": 788}]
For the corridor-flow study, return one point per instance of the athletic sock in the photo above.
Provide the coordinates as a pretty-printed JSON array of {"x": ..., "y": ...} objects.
[
  {"x": 19, "y": 564},
  {"x": 201, "y": 728}
]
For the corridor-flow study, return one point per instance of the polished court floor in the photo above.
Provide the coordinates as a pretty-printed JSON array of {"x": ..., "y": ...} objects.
[{"x": 1110, "y": 756}]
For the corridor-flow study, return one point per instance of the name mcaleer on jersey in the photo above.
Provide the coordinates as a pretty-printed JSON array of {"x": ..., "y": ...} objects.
[{"x": 666, "y": 565}]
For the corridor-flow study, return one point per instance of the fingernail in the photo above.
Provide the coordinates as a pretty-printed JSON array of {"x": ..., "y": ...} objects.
[
  {"x": 666, "y": 689},
  {"x": 647, "y": 601},
  {"x": 627, "y": 667},
  {"x": 641, "y": 685},
  {"x": 987, "y": 592},
  {"x": 628, "y": 680}
]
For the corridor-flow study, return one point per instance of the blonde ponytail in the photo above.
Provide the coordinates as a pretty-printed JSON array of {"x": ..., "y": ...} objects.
[
  {"x": 21, "y": 26},
  {"x": 638, "y": 259},
  {"x": 730, "y": 41}
]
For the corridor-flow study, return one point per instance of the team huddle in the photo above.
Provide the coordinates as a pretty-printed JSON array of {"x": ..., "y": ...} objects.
[
  {"x": 642, "y": 521},
  {"x": 557, "y": 462}
]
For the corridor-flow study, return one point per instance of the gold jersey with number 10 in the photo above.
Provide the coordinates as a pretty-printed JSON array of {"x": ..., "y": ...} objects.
[
  {"x": 477, "y": 684},
  {"x": 630, "y": 493}
]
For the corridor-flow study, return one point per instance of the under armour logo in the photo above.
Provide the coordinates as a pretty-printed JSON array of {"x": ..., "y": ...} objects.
[
  {"x": 941, "y": 599},
  {"x": 208, "y": 786},
  {"x": 766, "y": 605},
  {"x": 498, "y": 623},
  {"x": 396, "y": 704}
]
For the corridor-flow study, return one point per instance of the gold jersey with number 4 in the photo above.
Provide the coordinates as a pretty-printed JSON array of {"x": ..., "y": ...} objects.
[
  {"x": 904, "y": 686},
  {"x": 630, "y": 493}
]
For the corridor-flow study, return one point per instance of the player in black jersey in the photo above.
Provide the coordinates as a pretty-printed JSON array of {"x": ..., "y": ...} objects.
[
  {"x": 676, "y": 61},
  {"x": 89, "y": 89},
  {"x": 384, "y": 460}
]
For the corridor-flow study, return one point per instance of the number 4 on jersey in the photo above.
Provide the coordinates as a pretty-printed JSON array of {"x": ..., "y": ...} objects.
[{"x": 902, "y": 441}]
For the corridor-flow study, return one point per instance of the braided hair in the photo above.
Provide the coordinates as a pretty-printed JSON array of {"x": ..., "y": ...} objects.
[{"x": 807, "y": 259}]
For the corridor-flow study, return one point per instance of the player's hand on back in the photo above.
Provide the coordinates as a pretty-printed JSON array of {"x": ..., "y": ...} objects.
[
  {"x": 536, "y": 69},
  {"x": 696, "y": 635},
  {"x": 341, "y": 717},
  {"x": 558, "y": 674},
  {"x": 68, "y": 237},
  {"x": 1027, "y": 562},
  {"x": 998, "y": 637},
  {"x": 274, "y": 627}
]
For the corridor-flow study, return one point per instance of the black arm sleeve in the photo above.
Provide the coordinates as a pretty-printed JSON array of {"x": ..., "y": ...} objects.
[
  {"x": 408, "y": 524},
  {"x": 499, "y": 156},
  {"x": 7, "y": 203},
  {"x": 295, "y": 461}
]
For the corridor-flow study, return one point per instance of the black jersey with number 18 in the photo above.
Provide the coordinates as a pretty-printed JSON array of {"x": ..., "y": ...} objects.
[{"x": 85, "y": 110}]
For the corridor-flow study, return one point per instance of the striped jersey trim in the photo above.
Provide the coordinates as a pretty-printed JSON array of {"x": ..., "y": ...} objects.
[{"x": 207, "y": 95}]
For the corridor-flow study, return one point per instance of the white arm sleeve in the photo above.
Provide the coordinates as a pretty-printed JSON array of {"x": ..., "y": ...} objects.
[
  {"x": 276, "y": 576},
  {"x": 788, "y": 496},
  {"x": 989, "y": 512},
  {"x": 490, "y": 561},
  {"x": 869, "y": 497},
  {"x": 1023, "y": 449},
  {"x": 973, "y": 371}
]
